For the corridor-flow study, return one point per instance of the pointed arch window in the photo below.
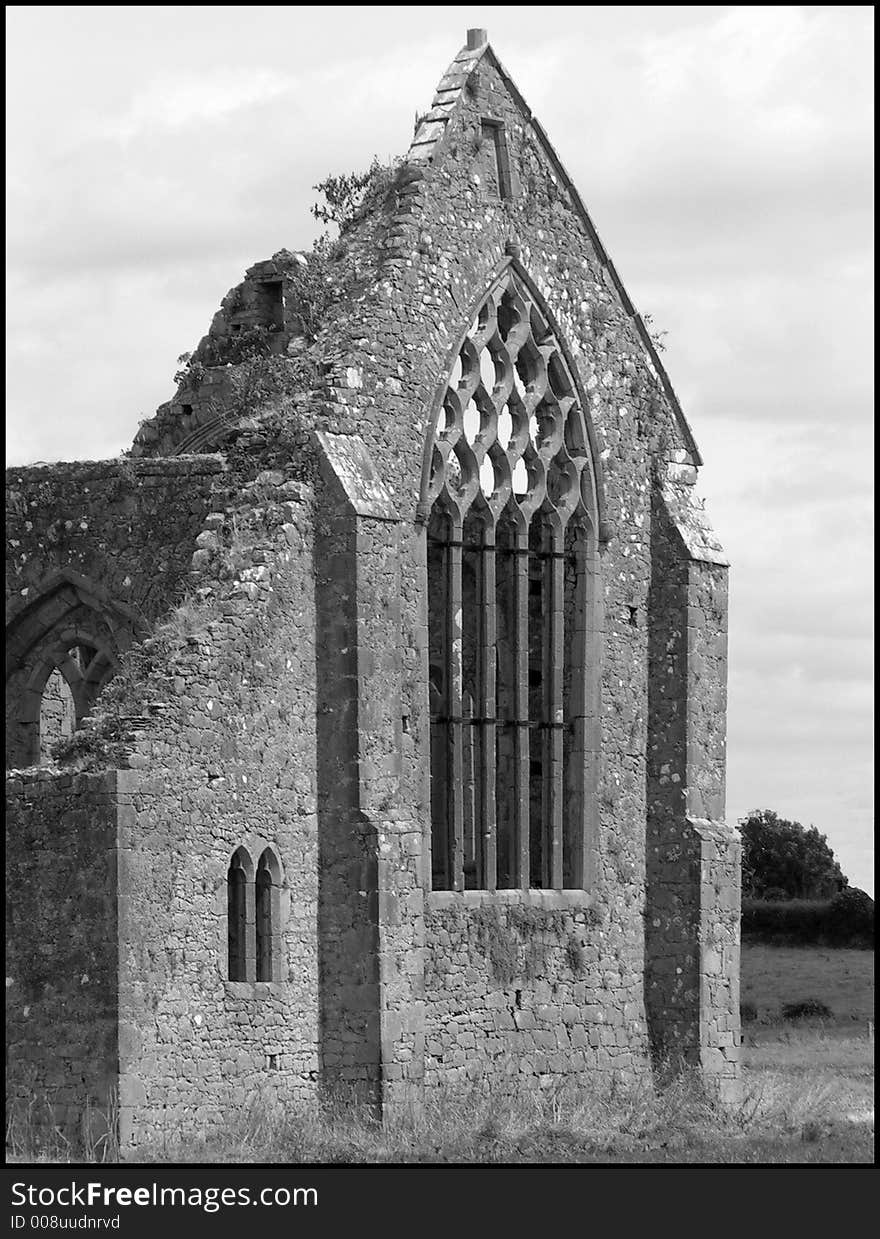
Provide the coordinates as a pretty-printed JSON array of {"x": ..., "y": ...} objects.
[
  {"x": 50, "y": 689},
  {"x": 512, "y": 567}
]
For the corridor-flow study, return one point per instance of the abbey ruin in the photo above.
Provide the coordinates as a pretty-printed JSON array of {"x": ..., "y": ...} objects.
[{"x": 366, "y": 721}]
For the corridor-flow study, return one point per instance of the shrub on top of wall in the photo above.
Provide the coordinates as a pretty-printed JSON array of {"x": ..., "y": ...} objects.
[{"x": 847, "y": 920}]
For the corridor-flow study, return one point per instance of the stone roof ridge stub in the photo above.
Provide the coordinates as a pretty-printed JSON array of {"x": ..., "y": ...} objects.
[{"x": 433, "y": 124}]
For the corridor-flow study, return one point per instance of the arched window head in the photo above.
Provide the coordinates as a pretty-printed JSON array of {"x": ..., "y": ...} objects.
[
  {"x": 237, "y": 901},
  {"x": 512, "y": 570},
  {"x": 65, "y": 627}
]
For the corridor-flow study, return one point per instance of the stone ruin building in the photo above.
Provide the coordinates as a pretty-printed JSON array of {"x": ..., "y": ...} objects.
[{"x": 366, "y": 720}]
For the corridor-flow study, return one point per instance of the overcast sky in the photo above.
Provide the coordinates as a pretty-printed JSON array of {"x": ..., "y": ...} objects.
[{"x": 725, "y": 154}]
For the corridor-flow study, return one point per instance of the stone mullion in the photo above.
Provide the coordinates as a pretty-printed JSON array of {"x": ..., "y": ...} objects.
[
  {"x": 455, "y": 798},
  {"x": 521, "y": 707},
  {"x": 250, "y": 931},
  {"x": 487, "y": 855},
  {"x": 553, "y": 669}
]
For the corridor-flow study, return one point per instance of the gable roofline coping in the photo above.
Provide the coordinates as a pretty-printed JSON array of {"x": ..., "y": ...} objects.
[{"x": 427, "y": 142}]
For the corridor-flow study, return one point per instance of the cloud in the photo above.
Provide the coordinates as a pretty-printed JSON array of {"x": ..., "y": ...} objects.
[{"x": 173, "y": 103}]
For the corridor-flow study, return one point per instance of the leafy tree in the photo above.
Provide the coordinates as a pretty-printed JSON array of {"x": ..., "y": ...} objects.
[{"x": 785, "y": 860}]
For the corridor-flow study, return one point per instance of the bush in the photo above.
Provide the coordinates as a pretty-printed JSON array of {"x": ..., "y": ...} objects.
[{"x": 806, "y": 1009}]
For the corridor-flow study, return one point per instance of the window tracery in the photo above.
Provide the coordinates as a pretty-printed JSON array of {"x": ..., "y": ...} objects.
[{"x": 512, "y": 567}]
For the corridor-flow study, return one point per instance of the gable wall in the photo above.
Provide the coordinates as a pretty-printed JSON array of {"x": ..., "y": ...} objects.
[{"x": 446, "y": 242}]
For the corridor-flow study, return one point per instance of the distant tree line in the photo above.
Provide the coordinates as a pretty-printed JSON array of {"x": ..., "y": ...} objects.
[{"x": 794, "y": 891}]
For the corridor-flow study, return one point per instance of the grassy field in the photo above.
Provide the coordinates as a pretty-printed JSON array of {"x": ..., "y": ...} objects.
[
  {"x": 807, "y": 1099},
  {"x": 823, "y": 1066},
  {"x": 842, "y": 980}
]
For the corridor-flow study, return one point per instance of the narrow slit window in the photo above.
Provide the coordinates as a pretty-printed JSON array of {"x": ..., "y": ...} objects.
[
  {"x": 264, "y": 919},
  {"x": 236, "y": 912},
  {"x": 267, "y": 917},
  {"x": 540, "y": 671},
  {"x": 506, "y": 712},
  {"x": 575, "y": 684},
  {"x": 477, "y": 702},
  {"x": 495, "y": 139}
]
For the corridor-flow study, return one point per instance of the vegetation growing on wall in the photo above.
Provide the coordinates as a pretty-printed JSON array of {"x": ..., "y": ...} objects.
[
  {"x": 315, "y": 282},
  {"x": 516, "y": 941},
  {"x": 107, "y": 736},
  {"x": 351, "y": 195}
]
